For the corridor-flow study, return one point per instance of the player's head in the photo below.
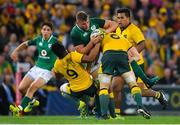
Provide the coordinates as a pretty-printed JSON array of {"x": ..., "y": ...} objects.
[
  {"x": 123, "y": 17},
  {"x": 46, "y": 29},
  {"x": 82, "y": 20},
  {"x": 59, "y": 50}
]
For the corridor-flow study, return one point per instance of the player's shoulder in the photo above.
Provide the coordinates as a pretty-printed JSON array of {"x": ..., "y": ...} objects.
[
  {"x": 75, "y": 29},
  {"x": 134, "y": 27}
]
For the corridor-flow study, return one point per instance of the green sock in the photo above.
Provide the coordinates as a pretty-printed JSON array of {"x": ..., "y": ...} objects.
[
  {"x": 138, "y": 99},
  {"x": 139, "y": 72},
  {"x": 25, "y": 101},
  {"x": 104, "y": 101},
  {"x": 74, "y": 99},
  {"x": 112, "y": 107},
  {"x": 97, "y": 106},
  {"x": 86, "y": 99}
]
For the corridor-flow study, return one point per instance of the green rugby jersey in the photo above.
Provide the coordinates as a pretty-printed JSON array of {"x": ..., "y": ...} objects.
[
  {"x": 80, "y": 36},
  {"x": 46, "y": 58}
]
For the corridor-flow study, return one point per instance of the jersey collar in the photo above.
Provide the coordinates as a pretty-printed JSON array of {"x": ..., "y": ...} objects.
[
  {"x": 125, "y": 27},
  {"x": 48, "y": 39}
]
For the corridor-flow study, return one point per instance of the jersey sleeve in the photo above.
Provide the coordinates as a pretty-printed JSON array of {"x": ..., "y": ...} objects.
[
  {"x": 137, "y": 35},
  {"x": 128, "y": 44},
  {"x": 56, "y": 66},
  {"x": 33, "y": 41},
  {"x": 76, "y": 38},
  {"x": 76, "y": 57},
  {"x": 98, "y": 21}
]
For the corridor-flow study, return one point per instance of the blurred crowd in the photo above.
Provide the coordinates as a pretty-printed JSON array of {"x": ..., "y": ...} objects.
[{"x": 159, "y": 20}]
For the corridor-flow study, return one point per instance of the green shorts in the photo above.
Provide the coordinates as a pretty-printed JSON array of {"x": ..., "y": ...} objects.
[{"x": 115, "y": 62}]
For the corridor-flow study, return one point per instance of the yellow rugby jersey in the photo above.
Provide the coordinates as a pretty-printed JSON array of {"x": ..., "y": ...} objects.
[
  {"x": 112, "y": 41},
  {"x": 73, "y": 71},
  {"x": 134, "y": 36}
]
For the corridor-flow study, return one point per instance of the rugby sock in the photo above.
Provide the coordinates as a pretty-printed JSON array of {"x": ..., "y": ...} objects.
[
  {"x": 104, "y": 101},
  {"x": 136, "y": 92},
  {"x": 140, "y": 73},
  {"x": 25, "y": 101},
  {"x": 86, "y": 99},
  {"x": 112, "y": 105},
  {"x": 97, "y": 106}
]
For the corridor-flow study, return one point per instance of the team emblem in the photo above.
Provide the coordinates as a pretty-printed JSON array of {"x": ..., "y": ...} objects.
[
  {"x": 43, "y": 52},
  {"x": 93, "y": 27},
  {"x": 40, "y": 44}
]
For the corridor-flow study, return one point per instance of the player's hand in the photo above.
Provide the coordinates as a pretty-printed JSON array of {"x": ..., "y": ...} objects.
[
  {"x": 96, "y": 39},
  {"x": 14, "y": 56}
]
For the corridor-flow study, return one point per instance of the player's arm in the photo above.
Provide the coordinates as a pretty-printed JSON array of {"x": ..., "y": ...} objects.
[
  {"x": 22, "y": 46},
  {"x": 92, "y": 55},
  {"x": 140, "y": 46},
  {"x": 86, "y": 49},
  {"x": 138, "y": 37},
  {"x": 133, "y": 54},
  {"x": 110, "y": 26}
]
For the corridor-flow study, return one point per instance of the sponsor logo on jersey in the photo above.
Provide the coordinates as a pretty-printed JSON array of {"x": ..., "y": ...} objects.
[
  {"x": 43, "y": 52},
  {"x": 40, "y": 44},
  {"x": 93, "y": 27}
]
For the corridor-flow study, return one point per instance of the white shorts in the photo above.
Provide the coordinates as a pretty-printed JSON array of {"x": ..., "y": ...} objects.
[{"x": 37, "y": 72}]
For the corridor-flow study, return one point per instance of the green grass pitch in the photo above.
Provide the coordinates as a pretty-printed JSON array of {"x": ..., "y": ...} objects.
[{"x": 90, "y": 120}]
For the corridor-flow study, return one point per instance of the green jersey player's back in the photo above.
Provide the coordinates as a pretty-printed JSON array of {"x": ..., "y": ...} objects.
[
  {"x": 80, "y": 36},
  {"x": 46, "y": 58}
]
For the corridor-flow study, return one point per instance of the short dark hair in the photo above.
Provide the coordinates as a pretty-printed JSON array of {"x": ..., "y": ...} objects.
[
  {"x": 59, "y": 50},
  {"x": 49, "y": 24},
  {"x": 82, "y": 16},
  {"x": 124, "y": 10}
]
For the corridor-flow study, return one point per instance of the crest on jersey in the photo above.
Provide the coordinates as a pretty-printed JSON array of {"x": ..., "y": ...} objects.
[
  {"x": 43, "y": 52},
  {"x": 93, "y": 27},
  {"x": 85, "y": 34},
  {"x": 40, "y": 44},
  {"x": 49, "y": 45}
]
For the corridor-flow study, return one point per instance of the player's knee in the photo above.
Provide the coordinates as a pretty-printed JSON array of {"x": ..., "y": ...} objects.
[
  {"x": 65, "y": 88},
  {"x": 22, "y": 90},
  {"x": 104, "y": 78},
  {"x": 129, "y": 77}
]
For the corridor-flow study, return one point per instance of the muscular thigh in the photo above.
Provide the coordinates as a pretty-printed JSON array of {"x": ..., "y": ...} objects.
[
  {"x": 25, "y": 83},
  {"x": 117, "y": 83}
]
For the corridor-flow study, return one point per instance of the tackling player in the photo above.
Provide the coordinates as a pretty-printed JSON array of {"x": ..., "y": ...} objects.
[{"x": 80, "y": 82}]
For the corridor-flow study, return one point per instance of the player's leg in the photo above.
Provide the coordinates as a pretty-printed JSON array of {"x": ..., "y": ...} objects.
[
  {"x": 130, "y": 79},
  {"x": 159, "y": 95},
  {"x": 117, "y": 85},
  {"x": 27, "y": 80},
  {"x": 23, "y": 86},
  {"x": 140, "y": 73},
  {"x": 105, "y": 81},
  {"x": 26, "y": 101},
  {"x": 147, "y": 92},
  {"x": 42, "y": 77},
  {"x": 67, "y": 93}
]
